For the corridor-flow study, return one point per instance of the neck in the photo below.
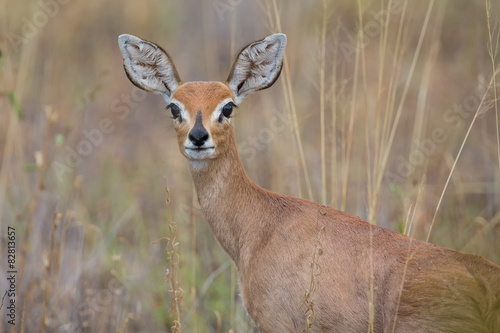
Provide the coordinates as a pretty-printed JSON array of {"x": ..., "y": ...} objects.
[{"x": 229, "y": 201}]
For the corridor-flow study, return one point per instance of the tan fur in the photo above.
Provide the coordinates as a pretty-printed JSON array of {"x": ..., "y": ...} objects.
[
  {"x": 415, "y": 286},
  {"x": 202, "y": 96}
]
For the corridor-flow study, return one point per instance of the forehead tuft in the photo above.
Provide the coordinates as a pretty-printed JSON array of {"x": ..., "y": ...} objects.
[{"x": 204, "y": 96}]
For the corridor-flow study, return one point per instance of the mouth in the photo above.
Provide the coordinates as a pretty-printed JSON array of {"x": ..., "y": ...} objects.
[
  {"x": 199, "y": 148},
  {"x": 199, "y": 153}
]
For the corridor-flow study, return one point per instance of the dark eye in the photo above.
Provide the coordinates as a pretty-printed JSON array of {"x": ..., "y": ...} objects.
[
  {"x": 176, "y": 112},
  {"x": 227, "y": 110}
]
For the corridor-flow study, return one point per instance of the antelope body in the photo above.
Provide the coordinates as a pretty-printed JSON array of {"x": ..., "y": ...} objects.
[{"x": 367, "y": 278}]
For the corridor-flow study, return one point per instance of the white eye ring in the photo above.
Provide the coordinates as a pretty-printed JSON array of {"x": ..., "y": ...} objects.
[
  {"x": 219, "y": 110},
  {"x": 178, "y": 111},
  {"x": 226, "y": 111}
]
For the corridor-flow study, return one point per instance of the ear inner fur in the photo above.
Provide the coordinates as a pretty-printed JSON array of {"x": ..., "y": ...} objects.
[
  {"x": 257, "y": 66},
  {"x": 148, "y": 66}
]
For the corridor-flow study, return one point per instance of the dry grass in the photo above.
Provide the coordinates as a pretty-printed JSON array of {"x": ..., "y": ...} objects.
[
  {"x": 315, "y": 270},
  {"x": 172, "y": 274},
  {"x": 399, "y": 125}
]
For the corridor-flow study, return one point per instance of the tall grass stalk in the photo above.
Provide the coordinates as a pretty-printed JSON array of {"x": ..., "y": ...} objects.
[
  {"x": 348, "y": 138},
  {"x": 383, "y": 48},
  {"x": 41, "y": 161},
  {"x": 458, "y": 156},
  {"x": 314, "y": 271},
  {"x": 49, "y": 268},
  {"x": 420, "y": 114},
  {"x": 291, "y": 96},
  {"x": 14, "y": 145},
  {"x": 266, "y": 6},
  {"x": 409, "y": 222},
  {"x": 479, "y": 236},
  {"x": 409, "y": 256},
  {"x": 322, "y": 104},
  {"x": 212, "y": 65},
  {"x": 23, "y": 316},
  {"x": 172, "y": 275},
  {"x": 493, "y": 52},
  {"x": 361, "y": 45},
  {"x": 334, "y": 109},
  {"x": 380, "y": 144},
  {"x": 377, "y": 137},
  {"x": 193, "y": 293},
  {"x": 388, "y": 144}
]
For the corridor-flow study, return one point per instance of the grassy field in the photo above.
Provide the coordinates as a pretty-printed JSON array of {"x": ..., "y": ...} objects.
[{"x": 386, "y": 109}]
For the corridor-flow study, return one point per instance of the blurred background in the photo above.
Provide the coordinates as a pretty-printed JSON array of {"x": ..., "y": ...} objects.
[{"x": 386, "y": 109}]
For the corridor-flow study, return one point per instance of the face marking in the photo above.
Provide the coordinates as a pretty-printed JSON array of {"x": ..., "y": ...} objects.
[
  {"x": 199, "y": 144},
  {"x": 200, "y": 135}
]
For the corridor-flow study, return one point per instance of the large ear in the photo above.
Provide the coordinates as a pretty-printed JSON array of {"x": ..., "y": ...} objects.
[
  {"x": 257, "y": 66},
  {"x": 148, "y": 66}
]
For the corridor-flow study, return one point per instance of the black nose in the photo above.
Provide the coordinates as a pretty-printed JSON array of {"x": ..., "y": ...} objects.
[
  {"x": 198, "y": 134},
  {"x": 198, "y": 137}
]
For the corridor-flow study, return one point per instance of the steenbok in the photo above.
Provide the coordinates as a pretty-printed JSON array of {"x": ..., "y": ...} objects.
[{"x": 303, "y": 266}]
